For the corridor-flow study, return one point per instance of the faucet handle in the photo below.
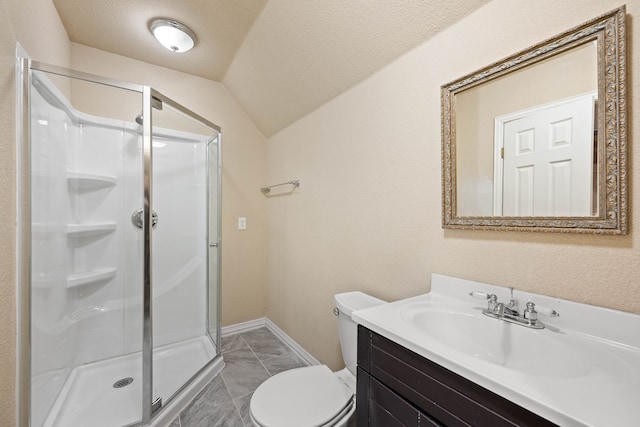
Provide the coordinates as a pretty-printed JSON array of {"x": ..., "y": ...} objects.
[
  {"x": 480, "y": 295},
  {"x": 493, "y": 299},
  {"x": 532, "y": 310},
  {"x": 547, "y": 311}
]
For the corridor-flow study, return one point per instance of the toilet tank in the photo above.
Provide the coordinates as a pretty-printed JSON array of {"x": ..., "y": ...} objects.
[{"x": 347, "y": 303}]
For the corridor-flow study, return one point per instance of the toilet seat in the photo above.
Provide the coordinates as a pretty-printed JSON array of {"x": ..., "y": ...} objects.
[{"x": 311, "y": 396}]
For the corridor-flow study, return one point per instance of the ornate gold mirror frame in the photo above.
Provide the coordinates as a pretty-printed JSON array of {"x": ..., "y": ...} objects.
[{"x": 608, "y": 31}]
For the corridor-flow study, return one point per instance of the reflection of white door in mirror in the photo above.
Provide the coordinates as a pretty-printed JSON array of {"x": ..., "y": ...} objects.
[{"x": 543, "y": 163}]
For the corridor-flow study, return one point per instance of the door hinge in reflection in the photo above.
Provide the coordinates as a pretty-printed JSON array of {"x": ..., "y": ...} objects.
[{"x": 502, "y": 153}]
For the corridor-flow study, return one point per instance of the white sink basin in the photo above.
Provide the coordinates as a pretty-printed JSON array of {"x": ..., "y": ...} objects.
[
  {"x": 528, "y": 351},
  {"x": 582, "y": 369}
]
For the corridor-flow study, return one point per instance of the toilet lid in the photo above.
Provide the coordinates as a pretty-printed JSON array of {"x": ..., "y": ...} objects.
[{"x": 310, "y": 396}]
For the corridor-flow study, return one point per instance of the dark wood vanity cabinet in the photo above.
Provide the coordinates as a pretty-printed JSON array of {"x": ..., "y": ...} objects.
[{"x": 397, "y": 387}]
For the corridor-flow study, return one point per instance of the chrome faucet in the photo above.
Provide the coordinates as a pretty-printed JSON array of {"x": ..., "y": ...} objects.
[
  {"x": 501, "y": 310},
  {"x": 509, "y": 311}
]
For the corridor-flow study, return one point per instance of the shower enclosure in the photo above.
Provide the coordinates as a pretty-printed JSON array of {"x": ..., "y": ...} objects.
[{"x": 120, "y": 262}]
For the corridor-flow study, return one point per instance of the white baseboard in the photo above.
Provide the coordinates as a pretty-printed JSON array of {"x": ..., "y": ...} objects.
[
  {"x": 264, "y": 322},
  {"x": 294, "y": 346},
  {"x": 238, "y": 328}
]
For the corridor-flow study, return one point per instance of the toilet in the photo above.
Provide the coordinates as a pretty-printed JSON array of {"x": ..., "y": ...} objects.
[{"x": 314, "y": 396}]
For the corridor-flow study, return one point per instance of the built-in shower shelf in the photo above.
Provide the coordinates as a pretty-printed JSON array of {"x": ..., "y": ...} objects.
[
  {"x": 89, "y": 181},
  {"x": 77, "y": 231},
  {"x": 91, "y": 277}
]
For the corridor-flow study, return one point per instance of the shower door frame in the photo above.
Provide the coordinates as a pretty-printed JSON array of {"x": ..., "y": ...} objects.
[{"x": 24, "y": 67}]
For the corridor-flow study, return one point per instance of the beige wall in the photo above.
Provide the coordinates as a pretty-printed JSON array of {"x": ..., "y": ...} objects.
[
  {"x": 23, "y": 21},
  {"x": 367, "y": 215},
  {"x": 244, "y": 171}
]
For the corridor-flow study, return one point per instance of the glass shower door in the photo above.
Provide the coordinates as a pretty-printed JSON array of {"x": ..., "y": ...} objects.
[{"x": 184, "y": 243}]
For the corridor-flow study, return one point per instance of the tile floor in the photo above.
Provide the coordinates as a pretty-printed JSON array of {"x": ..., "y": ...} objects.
[{"x": 250, "y": 358}]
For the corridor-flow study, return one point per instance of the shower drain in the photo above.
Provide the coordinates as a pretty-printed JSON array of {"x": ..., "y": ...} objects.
[{"x": 123, "y": 382}]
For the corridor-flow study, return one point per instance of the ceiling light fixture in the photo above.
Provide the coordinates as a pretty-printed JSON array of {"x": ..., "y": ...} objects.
[{"x": 173, "y": 35}]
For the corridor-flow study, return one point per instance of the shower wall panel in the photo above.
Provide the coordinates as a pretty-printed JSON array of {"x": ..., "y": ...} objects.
[
  {"x": 96, "y": 305},
  {"x": 180, "y": 238}
]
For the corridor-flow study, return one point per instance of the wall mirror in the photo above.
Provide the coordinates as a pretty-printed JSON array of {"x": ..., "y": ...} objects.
[{"x": 537, "y": 141}]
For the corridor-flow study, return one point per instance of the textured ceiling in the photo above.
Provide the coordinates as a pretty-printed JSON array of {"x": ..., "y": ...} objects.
[
  {"x": 280, "y": 58},
  {"x": 121, "y": 26}
]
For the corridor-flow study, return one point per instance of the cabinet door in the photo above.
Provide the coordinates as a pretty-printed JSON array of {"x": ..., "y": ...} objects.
[{"x": 384, "y": 408}]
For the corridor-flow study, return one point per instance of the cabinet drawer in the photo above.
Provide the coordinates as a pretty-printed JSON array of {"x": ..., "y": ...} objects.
[{"x": 446, "y": 396}]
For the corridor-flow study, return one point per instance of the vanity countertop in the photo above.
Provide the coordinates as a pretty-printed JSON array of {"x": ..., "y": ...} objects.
[{"x": 582, "y": 369}]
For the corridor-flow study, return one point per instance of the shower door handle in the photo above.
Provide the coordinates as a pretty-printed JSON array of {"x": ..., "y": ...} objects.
[{"x": 136, "y": 218}]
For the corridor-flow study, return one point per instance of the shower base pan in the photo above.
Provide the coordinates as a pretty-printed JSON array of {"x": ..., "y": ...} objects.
[{"x": 108, "y": 393}]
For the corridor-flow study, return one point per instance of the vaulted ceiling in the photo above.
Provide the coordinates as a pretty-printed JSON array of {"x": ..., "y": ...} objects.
[{"x": 281, "y": 59}]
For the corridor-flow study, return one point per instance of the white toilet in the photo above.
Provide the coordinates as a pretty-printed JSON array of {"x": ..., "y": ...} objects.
[{"x": 314, "y": 396}]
